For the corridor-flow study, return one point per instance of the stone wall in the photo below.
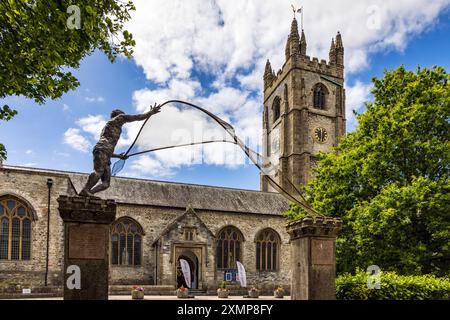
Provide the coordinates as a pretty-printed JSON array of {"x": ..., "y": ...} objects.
[
  {"x": 31, "y": 189},
  {"x": 250, "y": 226},
  {"x": 157, "y": 267},
  {"x": 155, "y": 219}
]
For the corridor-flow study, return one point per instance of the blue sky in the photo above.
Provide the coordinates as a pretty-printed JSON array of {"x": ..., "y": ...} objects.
[{"x": 217, "y": 69}]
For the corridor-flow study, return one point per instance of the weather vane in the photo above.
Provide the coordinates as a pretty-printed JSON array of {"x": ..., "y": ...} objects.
[{"x": 300, "y": 10}]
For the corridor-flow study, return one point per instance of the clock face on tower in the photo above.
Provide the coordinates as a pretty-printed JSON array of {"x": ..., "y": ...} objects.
[{"x": 321, "y": 135}]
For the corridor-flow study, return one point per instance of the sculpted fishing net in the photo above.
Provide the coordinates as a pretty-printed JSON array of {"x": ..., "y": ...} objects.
[{"x": 184, "y": 128}]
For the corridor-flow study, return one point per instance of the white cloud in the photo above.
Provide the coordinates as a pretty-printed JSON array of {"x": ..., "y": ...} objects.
[
  {"x": 180, "y": 124},
  {"x": 65, "y": 107},
  {"x": 151, "y": 167},
  {"x": 29, "y": 152},
  {"x": 356, "y": 95},
  {"x": 225, "y": 37},
  {"x": 92, "y": 124},
  {"x": 73, "y": 138},
  {"x": 175, "y": 89},
  {"x": 94, "y": 99},
  {"x": 229, "y": 41}
]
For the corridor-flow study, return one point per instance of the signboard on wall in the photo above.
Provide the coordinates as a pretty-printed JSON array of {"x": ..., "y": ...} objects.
[{"x": 230, "y": 275}]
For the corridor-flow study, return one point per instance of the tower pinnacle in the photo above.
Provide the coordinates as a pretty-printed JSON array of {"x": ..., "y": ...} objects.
[
  {"x": 339, "y": 40},
  {"x": 268, "y": 75},
  {"x": 294, "y": 38},
  {"x": 294, "y": 29},
  {"x": 287, "y": 51},
  {"x": 303, "y": 44},
  {"x": 339, "y": 49},
  {"x": 332, "y": 54}
]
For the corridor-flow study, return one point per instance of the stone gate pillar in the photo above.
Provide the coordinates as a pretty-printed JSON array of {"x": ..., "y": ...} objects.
[
  {"x": 313, "y": 258},
  {"x": 86, "y": 246}
]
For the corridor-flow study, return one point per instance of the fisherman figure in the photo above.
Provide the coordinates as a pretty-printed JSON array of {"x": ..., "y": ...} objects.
[{"x": 104, "y": 149}]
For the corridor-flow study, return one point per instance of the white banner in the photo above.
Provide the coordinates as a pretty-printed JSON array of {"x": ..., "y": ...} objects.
[
  {"x": 186, "y": 272},
  {"x": 242, "y": 275}
]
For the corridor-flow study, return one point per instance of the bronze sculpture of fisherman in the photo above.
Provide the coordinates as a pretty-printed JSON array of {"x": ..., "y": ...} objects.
[{"x": 104, "y": 149}]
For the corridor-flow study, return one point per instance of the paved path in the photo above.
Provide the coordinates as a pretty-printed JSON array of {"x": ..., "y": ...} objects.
[{"x": 128, "y": 297}]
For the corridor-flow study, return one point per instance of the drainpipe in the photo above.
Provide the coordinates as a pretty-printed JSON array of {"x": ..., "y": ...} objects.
[
  {"x": 156, "y": 262},
  {"x": 49, "y": 186}
]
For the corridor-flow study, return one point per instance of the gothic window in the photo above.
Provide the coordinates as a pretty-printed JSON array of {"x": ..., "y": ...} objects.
[
  {"x": 276, "y": 109},
  {"x": 320, "y": 92},
  {"x": 126, "y": 243},
  {"x": 228, "y": 248},
  {"x": 15, "y": 229},
  {"x": 267, "y": 250}
]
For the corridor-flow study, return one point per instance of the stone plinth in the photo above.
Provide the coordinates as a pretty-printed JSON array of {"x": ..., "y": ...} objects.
[
  {"x": 313, "y": 258},
  {"x": 86, "y": 246}
]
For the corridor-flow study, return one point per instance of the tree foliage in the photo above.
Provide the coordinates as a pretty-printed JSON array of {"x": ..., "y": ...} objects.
[
  {"x": 389, "y": 179},
  {"x": 39, "y": 44}
]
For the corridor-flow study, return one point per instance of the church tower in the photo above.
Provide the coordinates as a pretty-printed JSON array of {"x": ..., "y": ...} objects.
[{"x": 304, "y": 110}]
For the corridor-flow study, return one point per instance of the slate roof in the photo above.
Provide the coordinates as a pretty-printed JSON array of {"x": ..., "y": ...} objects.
[{"x": 179, "y": 195}]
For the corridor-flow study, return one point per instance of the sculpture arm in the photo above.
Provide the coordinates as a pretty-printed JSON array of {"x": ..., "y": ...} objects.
[
  {"x": 139, "y": 117},
  {"x": 122, "y": 156}
]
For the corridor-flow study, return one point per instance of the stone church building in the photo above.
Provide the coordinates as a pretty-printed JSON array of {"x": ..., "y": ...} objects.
[{"x": 159, "y": 223}]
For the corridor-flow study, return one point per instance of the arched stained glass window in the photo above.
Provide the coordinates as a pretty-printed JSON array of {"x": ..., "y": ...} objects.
[
  {"x": 228, "y": 247},
  {"x": 126, "y": 242},
  {"x": 267, "y": 250},
  {"x": 15, "y": 229}
]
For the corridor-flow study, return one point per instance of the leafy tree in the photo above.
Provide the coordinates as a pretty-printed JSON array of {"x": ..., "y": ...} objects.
[
  {"x": 42, "y": 40},
  {"x": 6, "y": 114},
  {"x": 389, "y": 179}
]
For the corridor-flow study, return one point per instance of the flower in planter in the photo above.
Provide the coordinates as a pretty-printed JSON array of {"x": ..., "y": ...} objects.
[
  {"x": 137, "y": 292},
  {"x": 182, "y": 289},
  {"x": 253, "y": 293},
  {"x": 182, "y": 292},
  {"x": 279, "y": 292},
  {"x": 222, "y": 291},
  {"x": 222, "y": 287},
  {"x": 138, "y": 288}
]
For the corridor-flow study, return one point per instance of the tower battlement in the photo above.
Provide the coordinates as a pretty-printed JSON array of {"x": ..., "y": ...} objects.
[{"x": 305, "y": 63}]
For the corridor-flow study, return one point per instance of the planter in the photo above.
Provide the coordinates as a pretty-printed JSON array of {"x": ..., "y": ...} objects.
[
  {"x": 223, "y": 294},
  {"x": 278, "y": 294},
  {"x": 183, "y": 294},
  {"x": 137, "y": 295},
  {"x": 253, "y": 293}
]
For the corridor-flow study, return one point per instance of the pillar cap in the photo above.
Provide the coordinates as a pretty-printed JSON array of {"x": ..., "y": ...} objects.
[
  {"x": 86, "y": 209},
  {"x": 314, "y": 227}
]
